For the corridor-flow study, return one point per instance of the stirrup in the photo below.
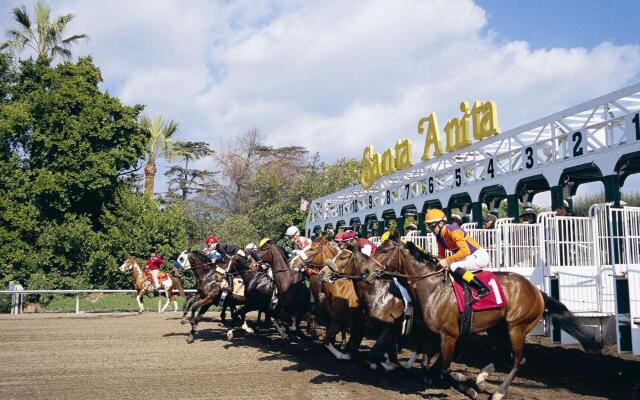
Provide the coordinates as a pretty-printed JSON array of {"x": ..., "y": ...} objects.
[{"x": 477, "y": 296}]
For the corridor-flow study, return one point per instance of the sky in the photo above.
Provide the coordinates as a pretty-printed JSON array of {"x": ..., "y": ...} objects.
[{"x": 335, "y": 76}]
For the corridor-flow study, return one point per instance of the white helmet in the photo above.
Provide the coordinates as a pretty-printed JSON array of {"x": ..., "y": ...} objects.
[
  {"x": 292, "y": 231},
  {"x": 251, "y": 247}
]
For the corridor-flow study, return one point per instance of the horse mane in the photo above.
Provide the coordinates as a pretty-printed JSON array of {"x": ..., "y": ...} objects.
[
  {"x": 419, "y": 254},
  {"x": 200, "y": 255},
  {"x": 283, "y": 252}
]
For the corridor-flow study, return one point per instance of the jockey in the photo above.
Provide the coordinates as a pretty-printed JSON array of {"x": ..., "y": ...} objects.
[
  {"x": 293, "y": 236},
  {"x": 467, "y": 253},
  {"x": 223, "y": 249},
  {"x": 298, "y": 242},
  {"x": 352, "y": 242},
  {"x": 211, "y": 243},
  {"x": 154, "y": 262}
]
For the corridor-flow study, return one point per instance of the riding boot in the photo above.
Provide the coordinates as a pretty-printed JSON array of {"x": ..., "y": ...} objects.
[{"x": 469, "y": 279}]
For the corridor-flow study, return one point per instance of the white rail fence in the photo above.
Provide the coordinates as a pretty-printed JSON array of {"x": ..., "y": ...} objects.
[{"x": 17, "y": 296}]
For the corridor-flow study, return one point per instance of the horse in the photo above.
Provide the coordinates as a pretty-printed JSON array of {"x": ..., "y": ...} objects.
[
  {"x": 144, "y": 285},
  {"x": 431, "y": 289},
  {"x": 384, "y": 307},
  {"x": 258, "y": 293},
  {"x": 336, "y": 303},
  {"x": 292, "y": 293},
  {"x": 209, "y": 281}
]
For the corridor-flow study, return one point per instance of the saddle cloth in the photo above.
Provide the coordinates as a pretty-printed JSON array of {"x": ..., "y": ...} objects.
[
  {"x": 238, "y": 286},
  {"x": 162, "y": 277},
  {"x": 495, "y": 299}
]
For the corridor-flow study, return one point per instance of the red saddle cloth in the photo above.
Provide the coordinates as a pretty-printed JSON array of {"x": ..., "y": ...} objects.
[
  {"x": 495, "y": 299},
  {"x": 162, "y": 276}
]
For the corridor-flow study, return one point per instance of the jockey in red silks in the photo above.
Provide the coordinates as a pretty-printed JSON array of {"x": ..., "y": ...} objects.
[
  {"x": 154, "y": 262},
  {"x": 351, "y": 240}
]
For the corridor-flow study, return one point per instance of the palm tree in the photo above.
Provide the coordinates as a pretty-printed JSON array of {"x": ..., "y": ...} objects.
[
  {"x": 160, "y": 145},
  {"x": 46, "y": 37}
]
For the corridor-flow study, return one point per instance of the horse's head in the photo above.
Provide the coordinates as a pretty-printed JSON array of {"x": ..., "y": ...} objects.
[
  {"x": 195, "y": 259},
  {"x": 183, "y": 263},
  {"x": 271, "y": 253},
  {"x": 394, "y": 255},
  {"x": 129, "y": 265},
  {"x": 347, "y": 262},
  {"x": 315, "y": 254}
]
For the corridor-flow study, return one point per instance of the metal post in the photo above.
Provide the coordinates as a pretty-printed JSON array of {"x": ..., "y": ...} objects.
[
  {"x": 476, "y": 211},
  {"x": 159, "y": 301},
  {"x": 77, "y": 303},
  {"x": 513, "y": 210}
]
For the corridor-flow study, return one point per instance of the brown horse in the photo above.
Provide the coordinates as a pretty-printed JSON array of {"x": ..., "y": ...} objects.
[
  {"x": 431, "y": 289},
  {"x": 336, "y": 303},
  {"x": 384, "y": 307},
  {"x": 143, "y": 286}
]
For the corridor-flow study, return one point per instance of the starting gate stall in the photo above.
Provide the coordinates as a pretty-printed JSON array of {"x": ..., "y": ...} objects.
[
  {"x": 591, "y": 264},
  {"x": 618, "y": 239}
]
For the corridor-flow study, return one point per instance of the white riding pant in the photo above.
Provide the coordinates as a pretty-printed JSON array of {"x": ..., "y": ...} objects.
[
  {"x": 154, "y": 275},
  {"x": 478, "y": 260}
]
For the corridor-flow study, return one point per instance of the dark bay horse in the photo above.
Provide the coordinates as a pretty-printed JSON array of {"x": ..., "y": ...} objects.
[
  {"x": 293, "y": 296},
  {"x": 209, "y": 281},
  {"x": 258, "y": 289},
  {"x": 144, "y": 286},
  {"x": 336, "y": 303},
  {"x": 432, "y": 290}
]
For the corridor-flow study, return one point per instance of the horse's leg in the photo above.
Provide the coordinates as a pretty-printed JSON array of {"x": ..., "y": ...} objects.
[
  {"x": 517, "y": 336},
  {"x": 199, "y": 306},
  {"x": 377, "y": 352},
  {"x": 187, "y": 307},
  {"x": 332, "y": 331},
  {"x": 166, "y": 292},
  {"x": 140, "y": 303},
  {"x": 447, "y": 348}
]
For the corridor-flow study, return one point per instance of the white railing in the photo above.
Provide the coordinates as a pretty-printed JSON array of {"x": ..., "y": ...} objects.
[{"x": 18, "y": 296}]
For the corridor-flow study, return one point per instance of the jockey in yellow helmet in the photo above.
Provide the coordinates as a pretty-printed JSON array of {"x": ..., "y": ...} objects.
[{"x": 467, "y": 253}]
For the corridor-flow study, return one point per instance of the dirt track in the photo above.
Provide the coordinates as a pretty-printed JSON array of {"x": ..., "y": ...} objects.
[{"x": 115, "y": 356}]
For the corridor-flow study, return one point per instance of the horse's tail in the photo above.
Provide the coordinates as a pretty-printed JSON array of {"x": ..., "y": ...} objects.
[
  {"x": 177, "y": 282},
  {"x": 565, "y": 320}
]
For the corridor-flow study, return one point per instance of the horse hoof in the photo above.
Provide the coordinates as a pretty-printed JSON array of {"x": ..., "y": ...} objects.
[
  {"x": 388, "y": 366},
  {"x": 497, "y": 396},
  {"x": 230, "y": 334},
  {"x": 458, "y": 376},
  {"x": 247, "y": 328},
  {"x": 471, "y": 393},
  {"x": 190, "y": 340}
]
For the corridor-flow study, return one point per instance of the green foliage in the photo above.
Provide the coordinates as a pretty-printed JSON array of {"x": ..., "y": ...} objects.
[
  {"x": 63, "y": 145},
  {"x": 112, "y": 302},
  {"x": 238, "y": 229},
  {"x": 581, "y": 204},
  {"x": 133, "y": 226}
]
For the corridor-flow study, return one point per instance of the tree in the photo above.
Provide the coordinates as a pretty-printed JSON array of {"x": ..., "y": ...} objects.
[
  {"x": 63, "y": 147},
  {"x": 160, "y": 144},
  {"x": 189, "y": 180},
  {"x": 43, "y": 35}
]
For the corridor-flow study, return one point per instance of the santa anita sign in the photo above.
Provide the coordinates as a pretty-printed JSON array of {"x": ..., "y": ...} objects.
[{"x": 481, "y": 117}]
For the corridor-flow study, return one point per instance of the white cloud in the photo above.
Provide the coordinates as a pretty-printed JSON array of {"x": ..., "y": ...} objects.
[{"x": 331, "y": 75}]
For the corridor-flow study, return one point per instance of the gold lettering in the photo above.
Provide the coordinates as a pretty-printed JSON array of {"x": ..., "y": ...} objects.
[
  {"x": 388, "y": 162},
  {"x": 370, "y": 167},
  {"x": 488, "y": 124},
  {"x": 403, "y": 154},
  {"x": 433, "y": 137}
]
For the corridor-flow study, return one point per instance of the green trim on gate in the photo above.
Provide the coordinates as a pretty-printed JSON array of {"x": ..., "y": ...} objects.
[
  {"x": 513, "y": 207},
  {"x": 612, "y": 189}
]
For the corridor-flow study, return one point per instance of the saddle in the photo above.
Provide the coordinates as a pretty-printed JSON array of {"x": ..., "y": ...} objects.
[{"x": 468, "y": 301}]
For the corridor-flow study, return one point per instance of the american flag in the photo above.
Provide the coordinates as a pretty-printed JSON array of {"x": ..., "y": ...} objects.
[{"x": 304, "y": 204}]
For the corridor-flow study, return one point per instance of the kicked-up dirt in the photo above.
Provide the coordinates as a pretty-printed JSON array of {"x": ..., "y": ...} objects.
[{"x": 130, "y": 356}]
